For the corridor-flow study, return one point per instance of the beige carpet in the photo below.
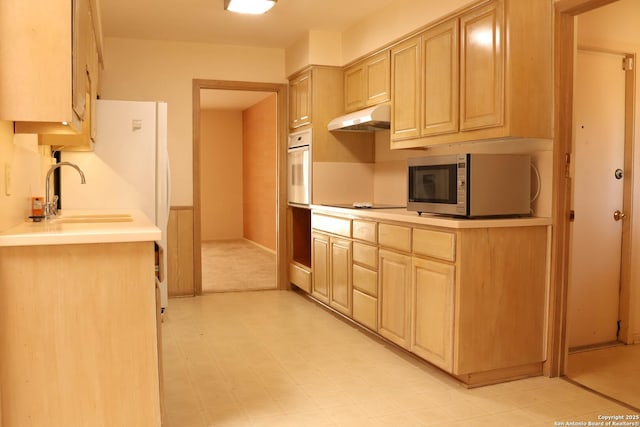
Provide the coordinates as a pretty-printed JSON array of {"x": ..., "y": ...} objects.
[
  {"x": 613, "y": 371},
  {"x": 237, "y": 265}
]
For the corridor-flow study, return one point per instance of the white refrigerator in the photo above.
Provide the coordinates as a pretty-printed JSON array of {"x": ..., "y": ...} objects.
[{"x": 128, "y": 169}]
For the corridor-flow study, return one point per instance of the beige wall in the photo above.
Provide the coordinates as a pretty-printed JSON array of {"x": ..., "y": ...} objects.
[
  {"x": 27, "y": 164},
  {"x": 391, "y": 23},
  {"x": 163, "y": 71},
  {"x": 259, "y": 145},
  {"x": 220, "y": 175},
  {"x": 615, "y": 27},
  {"x": 316, "y": 47}
]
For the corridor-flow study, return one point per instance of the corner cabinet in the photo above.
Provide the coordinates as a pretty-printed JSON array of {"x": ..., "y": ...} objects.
[
  {"x": 46, "y": 49},
  {"x": 367, "y": 82},
  {"x": 490, "y": 96}
]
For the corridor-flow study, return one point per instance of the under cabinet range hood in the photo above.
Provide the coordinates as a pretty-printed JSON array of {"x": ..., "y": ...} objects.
[{"x": 370, "y": 119}]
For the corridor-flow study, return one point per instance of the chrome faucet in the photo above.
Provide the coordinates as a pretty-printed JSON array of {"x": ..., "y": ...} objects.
[{"x": 50, "y": 207}]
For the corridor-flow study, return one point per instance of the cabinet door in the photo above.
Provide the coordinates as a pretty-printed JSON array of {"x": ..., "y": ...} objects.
[
  {"x": 354, "y": 87},
  {"x": 377, "y": 80},
  {"x": 81, "y": 39},
  {"x": 341, "y": 279},
  {"x": 440, "y": 79},
  {"x": 405, "y": 89},
  {"x": 432, "y": 286},
  {"x": 320, "y": 266},
  {"x": 300, "y": 100},
  {"x": 395, "y": 297},
  {"x": 481, "y": 69}
]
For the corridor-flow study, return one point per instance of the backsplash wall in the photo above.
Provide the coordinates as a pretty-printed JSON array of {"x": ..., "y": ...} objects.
[{"x": 27, "y": 164}]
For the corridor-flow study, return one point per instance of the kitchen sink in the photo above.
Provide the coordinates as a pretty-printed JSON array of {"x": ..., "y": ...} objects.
[{"x": 92, "y": 218}]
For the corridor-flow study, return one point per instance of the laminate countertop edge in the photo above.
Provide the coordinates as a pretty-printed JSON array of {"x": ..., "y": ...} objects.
[
  {"x": 405, "y": 216},
  {"x": 82, "y": 226}
]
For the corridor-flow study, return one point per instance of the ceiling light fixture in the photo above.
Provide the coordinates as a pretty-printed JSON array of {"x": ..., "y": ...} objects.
[{"x": 254, "y": 7}]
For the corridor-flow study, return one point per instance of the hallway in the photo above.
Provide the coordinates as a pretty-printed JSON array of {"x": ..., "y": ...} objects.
[{"x": 237, "y": 265}]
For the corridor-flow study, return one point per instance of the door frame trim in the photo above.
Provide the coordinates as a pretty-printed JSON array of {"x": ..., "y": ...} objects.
[
  {"x": 564, "y": 50},
  {"x": 281, "y": 91}
]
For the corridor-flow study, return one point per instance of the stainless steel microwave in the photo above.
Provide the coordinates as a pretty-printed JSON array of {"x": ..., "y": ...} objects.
[{"x": 470, "y": 185}]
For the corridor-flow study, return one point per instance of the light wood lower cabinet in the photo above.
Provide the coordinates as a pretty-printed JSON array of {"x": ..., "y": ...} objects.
[
  {"x": 78, "y": 336},
  {"x": 320, "y": 267},
  {"x": 395, "y": 297},
  {"x": 340, "y": 285},
  {"x": 332, "y": 274},
  {"x": 432, "y": 293},
  {"x": 468, "y": 300},
  {"x": 365, "y": 285}
]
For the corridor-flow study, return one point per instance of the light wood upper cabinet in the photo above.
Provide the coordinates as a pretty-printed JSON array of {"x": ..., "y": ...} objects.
[
  {"x": 354, "y": 88},
  {"x": 405, "y": 90},
  {"x": 490, "y": 96},
  {"x": 482, "y": 67},
  {"x": 45, "y": 51},
  {"x": 367, "y": 82},
  {"x": 300, "y": 100},
  {"x": 440, "y": 79}
]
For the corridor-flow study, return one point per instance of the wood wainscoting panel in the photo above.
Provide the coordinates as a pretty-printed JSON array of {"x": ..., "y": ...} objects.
[{"x": 180, "y": 252}]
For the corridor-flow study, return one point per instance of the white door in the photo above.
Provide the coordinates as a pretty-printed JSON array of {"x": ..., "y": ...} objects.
[{"x": 594, "y": 272}]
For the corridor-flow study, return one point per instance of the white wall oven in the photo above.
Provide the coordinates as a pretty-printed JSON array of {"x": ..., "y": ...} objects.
[{"x": 299, "y": 168}]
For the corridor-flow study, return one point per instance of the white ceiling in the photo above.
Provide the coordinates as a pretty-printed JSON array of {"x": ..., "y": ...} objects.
[{"x": 206, "y": 21}]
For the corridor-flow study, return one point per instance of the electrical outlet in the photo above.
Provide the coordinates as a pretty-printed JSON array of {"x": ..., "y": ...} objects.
[{"x": 8, "y": 188}]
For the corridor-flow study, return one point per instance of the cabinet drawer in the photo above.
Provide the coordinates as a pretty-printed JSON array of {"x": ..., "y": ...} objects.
[
  {"x": 436, "y": 244},
  {"x": 331, "y": 224},
  {"x": 395, "y": 237},
  {"x": 300, "y": 277},
  {"x": 365, "y": 255},
  {"x": 365, "y": 280},
  {"x": 365, "y": 310},
  {"x": 365, "y": 230}
]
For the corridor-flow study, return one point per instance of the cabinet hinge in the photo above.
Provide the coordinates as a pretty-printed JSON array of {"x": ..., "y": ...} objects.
[{"x": 627, "y": 63}]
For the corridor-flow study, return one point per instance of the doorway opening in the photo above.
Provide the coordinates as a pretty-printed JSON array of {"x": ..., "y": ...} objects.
[
  {"x": 238, "y": 217},
  {"x": 592, "y": 308}
]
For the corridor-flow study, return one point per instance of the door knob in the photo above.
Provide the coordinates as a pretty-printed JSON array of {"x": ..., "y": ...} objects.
[{"x": 617, "y": 215}]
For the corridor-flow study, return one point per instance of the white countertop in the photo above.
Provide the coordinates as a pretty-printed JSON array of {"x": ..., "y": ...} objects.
[
  {"x": 403, "y": 215},
  {"x": 83, "y": 226}
]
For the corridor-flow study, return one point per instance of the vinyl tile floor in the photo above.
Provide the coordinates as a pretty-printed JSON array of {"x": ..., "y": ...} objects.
[
  {"x": 614, "y": 371},
  {"x": 274, "y": 358},
  {"x": 236, "y": 265}
]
